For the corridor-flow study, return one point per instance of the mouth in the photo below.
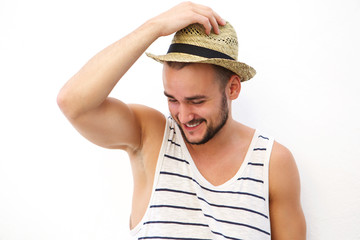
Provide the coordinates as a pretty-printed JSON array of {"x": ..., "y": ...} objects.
[{"x": 193, "y": 124}]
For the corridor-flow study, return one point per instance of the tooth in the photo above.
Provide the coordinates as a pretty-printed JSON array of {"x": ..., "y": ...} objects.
[{"x": 193, "y": 125}]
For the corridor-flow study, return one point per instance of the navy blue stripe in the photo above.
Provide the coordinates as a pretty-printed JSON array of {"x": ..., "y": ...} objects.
[
  {"x": 232, "y": 207},
  {"x": 211, "y": 190},
  {"x": 172, "y": 142},
  {"x": 176, "y": 174},
  {"x": 211, "y": 204},
  {"x": 171, "y": 238},
  {"x": 261, "y": 136},
  {"x": 178, "y": 223},
  {"x": 255, "y": 164},
  {"x": 251, "y": 179},
  {"x": 236, "y": 223},
  {"x": 259, "y": 149},
  {"x": 176, "y": 207},
  {"x": 217, "y": 233},
  {"x": 232, "y": 192},
  {"x": 177, "y": 159},
  {"x": 173, "y": 190}
]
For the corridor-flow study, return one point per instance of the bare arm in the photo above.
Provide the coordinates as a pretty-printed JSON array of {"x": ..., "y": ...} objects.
[
  {"x": 286, "y": 215},
  {"x": 84, "y": 98}
]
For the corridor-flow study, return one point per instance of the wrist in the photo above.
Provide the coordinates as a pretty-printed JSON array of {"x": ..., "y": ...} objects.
[{"x": 152, "y": 28}]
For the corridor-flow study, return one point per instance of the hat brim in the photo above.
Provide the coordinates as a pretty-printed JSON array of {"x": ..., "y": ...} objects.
[{"x": 245, "y": 71}]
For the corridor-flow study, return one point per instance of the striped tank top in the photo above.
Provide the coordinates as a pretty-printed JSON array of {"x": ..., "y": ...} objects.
[{"x": 184, "y": 205}]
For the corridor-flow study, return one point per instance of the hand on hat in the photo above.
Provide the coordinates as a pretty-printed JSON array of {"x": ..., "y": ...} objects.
[{"x": 185, "y": 14}]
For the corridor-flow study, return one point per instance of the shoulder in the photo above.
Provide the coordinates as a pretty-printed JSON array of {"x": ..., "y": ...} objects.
[
  {"x": 287, "y": 217},
  {"x": 147, "y": 115},
  {"x": 281, "y": 156},
  {"x": 152, "y": 124},
  {"x": 283, "y": 173}
]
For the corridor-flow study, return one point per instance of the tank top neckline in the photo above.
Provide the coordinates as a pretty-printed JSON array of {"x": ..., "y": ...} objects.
[{"x": 198, "y": 174}]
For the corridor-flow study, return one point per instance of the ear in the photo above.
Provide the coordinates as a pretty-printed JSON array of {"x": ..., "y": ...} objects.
[{"x": 234, "y": 87}]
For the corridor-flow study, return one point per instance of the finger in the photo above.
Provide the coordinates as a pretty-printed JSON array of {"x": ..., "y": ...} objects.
[
  {"x": 214, "y": 25},
  {"x": 219, "y": 19},
  {"x": 210, "y": 12},
  {"x": 212, "y": 18},
  {"x": 205, "y": 22},
  {"x": 205, "y": 16}
]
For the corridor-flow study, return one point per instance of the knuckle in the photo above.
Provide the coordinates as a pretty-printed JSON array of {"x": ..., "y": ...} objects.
[
  {"x": 188, "y": 3},
  {"x": 194, "y": 16},
  {"x": 209, "y": 10}
]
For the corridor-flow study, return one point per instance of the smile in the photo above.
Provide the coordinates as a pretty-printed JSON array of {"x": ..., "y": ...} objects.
[{"x": 193, "y": 123}]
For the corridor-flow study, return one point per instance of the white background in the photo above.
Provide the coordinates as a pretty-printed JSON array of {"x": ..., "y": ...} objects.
[{"x": 56, "y": 185}]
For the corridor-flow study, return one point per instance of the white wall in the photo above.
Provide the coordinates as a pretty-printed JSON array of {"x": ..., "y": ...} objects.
[{"x": 56, "y": 185}]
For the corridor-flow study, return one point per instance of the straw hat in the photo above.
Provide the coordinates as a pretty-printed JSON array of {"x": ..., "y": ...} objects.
[{"x": 192, "y": 44}]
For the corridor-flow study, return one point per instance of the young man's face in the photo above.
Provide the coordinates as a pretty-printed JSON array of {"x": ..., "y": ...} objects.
[{"x": 195, "y": 101}]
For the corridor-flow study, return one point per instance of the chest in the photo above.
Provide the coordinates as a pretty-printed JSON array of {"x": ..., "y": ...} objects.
[
  {"x": 221, "y": 165},
  {"x": 185, "y": 205},
  {"x": 219, "y": 169}
]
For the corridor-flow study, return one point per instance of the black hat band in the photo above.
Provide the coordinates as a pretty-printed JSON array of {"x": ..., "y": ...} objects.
[{"x": 197, "y": 51}]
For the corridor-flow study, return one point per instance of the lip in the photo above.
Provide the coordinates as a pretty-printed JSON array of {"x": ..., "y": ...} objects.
[{"x": 194, "y": 128}]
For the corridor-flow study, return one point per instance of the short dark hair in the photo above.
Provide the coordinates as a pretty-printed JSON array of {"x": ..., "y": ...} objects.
[{"x": 223, "y": 74}]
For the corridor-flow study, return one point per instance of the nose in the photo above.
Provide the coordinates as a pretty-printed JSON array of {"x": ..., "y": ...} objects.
[{"x": 185, "y": 114}]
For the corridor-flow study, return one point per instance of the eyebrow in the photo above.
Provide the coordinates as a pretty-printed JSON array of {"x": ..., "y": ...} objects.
[
  {"x": 195, "y": 97},
  {"x": 168, "y": 95}
]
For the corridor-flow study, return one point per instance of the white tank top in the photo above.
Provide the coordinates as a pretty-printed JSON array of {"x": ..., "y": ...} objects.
[{"x": 184, "y": 205}]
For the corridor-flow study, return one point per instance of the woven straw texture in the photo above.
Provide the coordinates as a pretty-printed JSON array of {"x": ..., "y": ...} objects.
[{"x": 226, "y": 42}]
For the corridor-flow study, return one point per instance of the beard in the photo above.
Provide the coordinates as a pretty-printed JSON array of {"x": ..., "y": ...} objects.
[{"x": 212, "y": 129}]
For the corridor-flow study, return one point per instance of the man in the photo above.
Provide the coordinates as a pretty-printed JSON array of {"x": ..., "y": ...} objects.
[{"x": 198, "y": 174}]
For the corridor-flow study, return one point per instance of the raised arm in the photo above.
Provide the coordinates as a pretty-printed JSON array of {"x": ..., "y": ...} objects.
[
  {"x": 84, "y": 98},
  {"x": 286, "y": 215}
]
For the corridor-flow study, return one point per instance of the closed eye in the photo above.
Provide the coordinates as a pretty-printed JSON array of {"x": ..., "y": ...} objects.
[
  {"x": 197, "y": 102},
  {"x": 172, "y": 100}
]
